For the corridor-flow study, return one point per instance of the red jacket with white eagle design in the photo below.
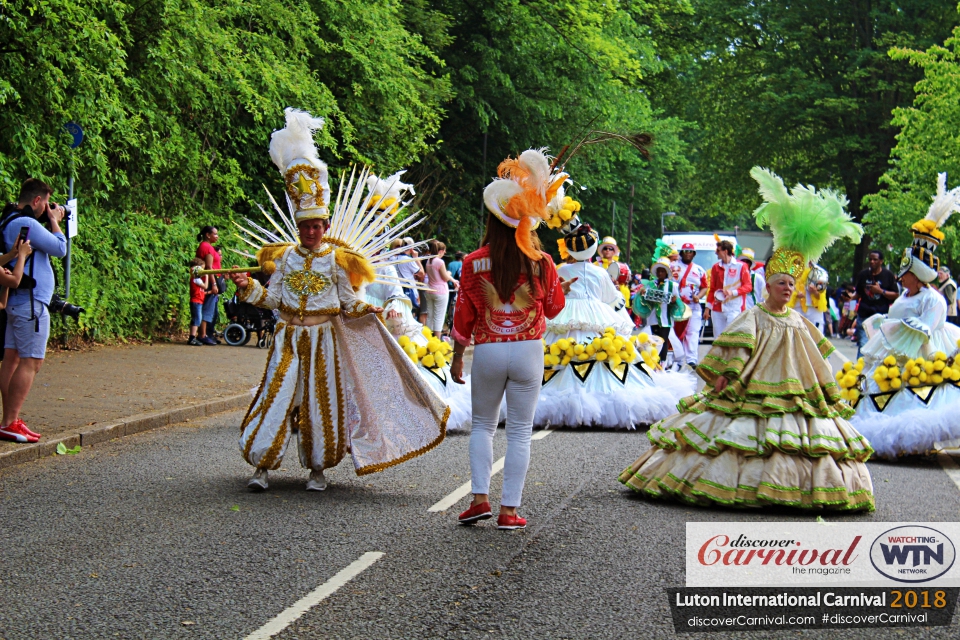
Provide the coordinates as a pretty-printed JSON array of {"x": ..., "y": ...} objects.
[{"x": 483, "y": 316}]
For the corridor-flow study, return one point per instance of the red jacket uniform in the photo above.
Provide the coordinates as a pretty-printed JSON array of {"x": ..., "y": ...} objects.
[
  {"x": 481, "y": 314},
  {"x": 724, "y": 276}
]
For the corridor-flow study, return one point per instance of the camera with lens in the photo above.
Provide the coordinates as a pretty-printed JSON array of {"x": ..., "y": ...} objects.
[
  {"x": 45, "y": 216},
  {"x": 64, "y": 308}
]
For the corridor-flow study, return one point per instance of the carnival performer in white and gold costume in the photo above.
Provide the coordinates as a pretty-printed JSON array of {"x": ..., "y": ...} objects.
[
  {"x": 596, "y": 374},
  {"x": 344, "y": 384},
  {"x": 430, "y": 354},
  {"x": 911, "y": 367},
  {"x": 770, "y": 428}
]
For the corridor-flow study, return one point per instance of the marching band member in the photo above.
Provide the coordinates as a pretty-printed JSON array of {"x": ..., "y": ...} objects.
[
  {"x": 729, "y": 287},
  {"x": 692, "y": 281}
]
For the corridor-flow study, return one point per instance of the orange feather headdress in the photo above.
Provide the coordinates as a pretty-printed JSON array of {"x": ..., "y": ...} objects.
[{"x": 520, "y": 193}]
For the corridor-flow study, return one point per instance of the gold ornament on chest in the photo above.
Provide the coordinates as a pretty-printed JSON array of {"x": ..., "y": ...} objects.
[{"x": 306, "y": 283}]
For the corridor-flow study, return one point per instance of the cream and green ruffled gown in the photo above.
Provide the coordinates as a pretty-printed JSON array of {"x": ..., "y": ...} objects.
[{"x": 776, "y": 435}]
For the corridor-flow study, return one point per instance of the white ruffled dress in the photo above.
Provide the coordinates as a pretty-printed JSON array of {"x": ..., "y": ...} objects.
[
  {"x": 912, "y": 420},
  {"x": 392, "y": 298},
  {"x": 591, "y": 393}
]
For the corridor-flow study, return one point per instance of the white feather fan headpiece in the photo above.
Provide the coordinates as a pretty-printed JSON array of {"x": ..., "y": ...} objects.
[{"x": 293, "y": 151}]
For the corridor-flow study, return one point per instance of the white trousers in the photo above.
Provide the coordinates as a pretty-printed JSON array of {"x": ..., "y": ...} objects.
[
  {"x": 435, "y": 308},
  {"x": 721, "y": 319},
  {"x": 813, "y": 315},
  {"x": 687, "y": 351},
  {"x": 514, "y": 368}
]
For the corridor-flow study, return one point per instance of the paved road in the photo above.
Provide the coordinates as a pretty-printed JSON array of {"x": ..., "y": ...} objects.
[{"x": 155, "y": 536}]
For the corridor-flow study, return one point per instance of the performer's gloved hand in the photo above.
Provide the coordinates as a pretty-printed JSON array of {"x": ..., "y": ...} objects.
[{"x": 392, "y": 314}]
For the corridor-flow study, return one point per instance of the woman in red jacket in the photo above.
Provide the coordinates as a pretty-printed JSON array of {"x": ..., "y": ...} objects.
[{"x": 508, "y": 288}]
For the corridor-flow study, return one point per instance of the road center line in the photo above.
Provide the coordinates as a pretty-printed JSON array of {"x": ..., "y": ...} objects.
[
  {"x": 950, "y": 467},
  {"x": 540, "y": 435},
  {"x": 462, "y": 491},
  {"x": 304, "y": 604}
]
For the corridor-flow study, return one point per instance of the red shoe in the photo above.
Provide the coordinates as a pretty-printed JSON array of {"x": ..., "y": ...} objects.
[
  {"x": 475, "y": 514},
  {"x": 15, "y": 432},
  {"x": 27, "y": 429},
  {"x": 511, "y": 522}
]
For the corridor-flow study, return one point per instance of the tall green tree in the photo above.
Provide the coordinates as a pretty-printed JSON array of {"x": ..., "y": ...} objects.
[
  {"x": 805, "y": 89},
  {"x": 926, "y": 146}
]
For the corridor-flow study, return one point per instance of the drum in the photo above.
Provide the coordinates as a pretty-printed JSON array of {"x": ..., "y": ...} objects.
[
  {"x": 619, "y": 272},
  {"x": 682, "y": 313}
]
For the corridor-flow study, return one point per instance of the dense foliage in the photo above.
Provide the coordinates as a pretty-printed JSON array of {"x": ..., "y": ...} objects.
[{"x": 178, "y": 98}]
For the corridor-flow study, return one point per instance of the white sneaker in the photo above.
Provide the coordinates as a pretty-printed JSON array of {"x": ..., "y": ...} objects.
[
  {"x": 316, "y": 482},
  {"x": 259, "y": 481}
]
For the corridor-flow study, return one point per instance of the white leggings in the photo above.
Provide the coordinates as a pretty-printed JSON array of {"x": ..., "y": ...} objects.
[
  {"x": 517, "y": 369},
  {"x": 435, "y": 308}
]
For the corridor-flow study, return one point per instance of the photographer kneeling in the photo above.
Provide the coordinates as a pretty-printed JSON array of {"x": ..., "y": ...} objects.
[{"x": 28, "y": 313}]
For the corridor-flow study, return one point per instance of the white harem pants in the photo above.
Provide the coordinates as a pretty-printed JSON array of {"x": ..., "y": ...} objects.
[
  {"x": 305, "y": 386},
  {"x": 687, "y": 350},
  {"x": 514, "y": 368}
]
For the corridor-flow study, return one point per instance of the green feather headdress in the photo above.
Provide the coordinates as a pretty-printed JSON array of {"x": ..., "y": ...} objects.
[
  {"x": 662, "y": 250},
  {"x": 804, "y": 222}
]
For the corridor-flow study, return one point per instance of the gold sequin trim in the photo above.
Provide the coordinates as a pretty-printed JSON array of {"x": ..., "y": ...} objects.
[
  {"x": 306, "y": 253},
  {"x": 359, "y": 310},
  {"x": 329, "y": 311},
  {"x": 249, "y": 416},
  {"x": 380, "y": 466},
  {"x": 341, "y": 429},
  {"x": 286, "y": 358},
  {"x": 306, "y": 421},
  {"x": 322, "y": 389},
  {"x": 251, "y": 288}
]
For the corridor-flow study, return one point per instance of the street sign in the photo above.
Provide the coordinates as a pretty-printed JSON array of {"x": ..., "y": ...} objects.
[
  {"x": 74, "y": 130},
  {"x": 71, "y": 206}
]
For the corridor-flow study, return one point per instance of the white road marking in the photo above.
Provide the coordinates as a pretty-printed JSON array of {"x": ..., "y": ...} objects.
[
  {"x": 304, "y": 604},
  {"x": 462, "y": 491},
  {"x": 540, "y": 435},
  {"x": 950, "y": 467}
]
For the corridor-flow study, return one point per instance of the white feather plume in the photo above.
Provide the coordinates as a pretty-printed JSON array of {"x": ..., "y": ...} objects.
[
  {"x": 295, "y": 141},
  {"x": 944, "y": 203}
]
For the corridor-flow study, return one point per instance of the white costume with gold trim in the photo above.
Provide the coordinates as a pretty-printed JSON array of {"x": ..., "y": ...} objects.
[{"x": 337, "y": 382}]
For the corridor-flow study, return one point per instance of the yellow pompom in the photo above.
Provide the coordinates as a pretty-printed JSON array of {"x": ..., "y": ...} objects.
[
  {"x": 615, "y": 361},
  {"x": 578, "y": 349},
  {"x": 440, "y": 361},
  {"x": 838, "y": 375},
  {"x": 565, "y": 361},
  {"x": 896, "y": 383},
  {"x": 601, "y": 356},
  {"x": 849, "y": 380},
  {"x": 606, "y": 343},
  {"x": 426, "y": 332},
  {"x": 939, "y": 365},
  {"x": 881, "y": 372},
  {"x": 421, "y": 351},
  {"x": 939, "y": 355},
  {"x": 403, "y": 341},
  {"x": 269, "y": 267},
  {"x": 914, "y": 381},
  {"x": 570, "y": 352},
  {"x": 893, "y": 372},
  {"x": 860, "y": 362},
  {"x": 554, "y": 360},
  {"x": 928, "y": 367},
  {"x": 644, "y": 338},
  {"x": 847, "y": 366},
  {"x": 923, "y": 377},
  {"x": 554, "y": 349},
  {"x": 563, "y": 343},
  {"x": 889, "y": 361},
  {"x": 584, "y": 355},
  {"x": 884, "y": 386},
  {"x": 595, "y": 343},
  {"x": 914, "y": 371},
  {"x": 546, "y": 360},
  {"x": 936, "y": 378}
]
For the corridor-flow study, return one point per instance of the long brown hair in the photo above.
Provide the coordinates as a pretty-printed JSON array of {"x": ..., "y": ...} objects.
[{"x": 507, "y": 262}]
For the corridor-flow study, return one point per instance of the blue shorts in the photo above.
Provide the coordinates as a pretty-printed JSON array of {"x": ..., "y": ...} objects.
[
  {"x": 210, "y": 307},
  {"x": 22, "y": 333},
  {"x": 196, "y": 314}
]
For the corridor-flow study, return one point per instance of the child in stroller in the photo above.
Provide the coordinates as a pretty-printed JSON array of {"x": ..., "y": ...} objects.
[{"x": 247, "y": 319}]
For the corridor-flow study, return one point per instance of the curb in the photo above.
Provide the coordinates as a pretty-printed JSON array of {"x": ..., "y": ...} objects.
[{"x": 125, "y": 427}]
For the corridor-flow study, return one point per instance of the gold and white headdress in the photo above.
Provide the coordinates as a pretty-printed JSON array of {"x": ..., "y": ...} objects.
[{"x": 293, "y": 151}]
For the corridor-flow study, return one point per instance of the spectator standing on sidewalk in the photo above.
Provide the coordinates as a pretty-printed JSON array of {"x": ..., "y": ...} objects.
[
  {"x": 28, "y": 316},
  {"x": 456, "y": 266},
  {"x": 434, "y": 310},
  {"x": 198, "y": 292},
  {"x": 409, "y": 270},
  {"x": 948, "y": 289},
  {"x": 211, "y": 260},
  {"x": 876, "y": 290}
]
